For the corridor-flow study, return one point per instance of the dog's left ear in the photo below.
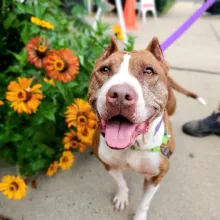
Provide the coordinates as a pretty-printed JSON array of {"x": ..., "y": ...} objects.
[
  {"x": 112, "y": 48},
  {"x": 155, "y": 49}
]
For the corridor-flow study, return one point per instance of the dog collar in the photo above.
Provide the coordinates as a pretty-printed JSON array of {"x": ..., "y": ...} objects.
[{"x": 163, "y": 148}]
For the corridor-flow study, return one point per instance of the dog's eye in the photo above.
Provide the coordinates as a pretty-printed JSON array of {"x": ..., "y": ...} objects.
[
  {"x": 149, "y": 71},
  {"x": 105, "y": 69}
]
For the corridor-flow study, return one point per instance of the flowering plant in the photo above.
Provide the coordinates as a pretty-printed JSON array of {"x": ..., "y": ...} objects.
[{"x": 45, "y": 66}]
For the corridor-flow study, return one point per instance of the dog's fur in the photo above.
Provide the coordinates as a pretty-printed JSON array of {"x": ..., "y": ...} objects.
[{"x": 154, "y": 99}]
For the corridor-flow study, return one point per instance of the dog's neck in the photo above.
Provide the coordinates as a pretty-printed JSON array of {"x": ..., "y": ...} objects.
[{"x": 152, "y": 139}]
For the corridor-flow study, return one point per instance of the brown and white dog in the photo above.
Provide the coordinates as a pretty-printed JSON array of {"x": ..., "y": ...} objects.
[{"x": 131, "y": 94}]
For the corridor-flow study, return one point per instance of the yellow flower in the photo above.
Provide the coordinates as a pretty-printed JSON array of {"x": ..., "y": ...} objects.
[
  {"x": 13, "y": 187},
  {"x": 49, "y": 81},
  {"x": 52, "y": 169},
  {"x": 80, "y": 115},
  {"x": 23, "y": 97},
  {"x": 1, "y": 102},
  {"x": 85, "y": 135},
  {"x": 67, "y": 160},
  {"x": 71, "y": 141},
  {"x": 35, "y": 20},
  {"x": 42, "y": 23},
  {"x": 118, "y": 32}
]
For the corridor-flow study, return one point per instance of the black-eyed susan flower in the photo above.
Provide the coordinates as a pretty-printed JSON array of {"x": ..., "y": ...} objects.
[
  {"x": 118, "y": 32},
  {"x": 52, "y": 169},
  {"x": 72, "y": 141},
  {"x": 79, "y": 114},
  {"x": 62, "y": 65},
  {"x": 67, "y": 160},
  {"x": 1, "y": 102},
  {"x": 85, "y": 135},
  {"x": 13, "y": 187},
  {"x": 37, "y": 49},
  {"x": 24, "y": 98}
]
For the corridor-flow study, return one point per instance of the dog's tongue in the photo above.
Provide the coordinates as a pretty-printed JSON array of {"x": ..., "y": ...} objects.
[{"x": 119, "y": 133}]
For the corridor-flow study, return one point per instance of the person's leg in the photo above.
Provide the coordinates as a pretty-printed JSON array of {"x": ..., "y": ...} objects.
[{"x": 204, "y": 127}]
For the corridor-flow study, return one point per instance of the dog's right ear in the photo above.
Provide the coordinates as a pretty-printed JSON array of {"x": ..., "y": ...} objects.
[{"x": 112, "y": 48}]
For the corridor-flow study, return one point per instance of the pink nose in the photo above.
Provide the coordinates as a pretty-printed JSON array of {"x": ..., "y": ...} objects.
[{"x": 121, "y": 95}]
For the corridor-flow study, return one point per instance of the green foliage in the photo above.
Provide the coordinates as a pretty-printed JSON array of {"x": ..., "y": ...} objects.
[
  {"x": 163, "y": 5},
  {"x": 34, "y": 141}
]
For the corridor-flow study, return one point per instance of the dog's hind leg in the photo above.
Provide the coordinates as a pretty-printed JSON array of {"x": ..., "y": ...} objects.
[
  {"x": 149, "y": 191},
  {"x": 121, "y": 198}
]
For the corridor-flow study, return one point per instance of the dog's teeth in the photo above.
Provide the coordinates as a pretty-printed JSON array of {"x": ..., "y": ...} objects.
[{"x": 201, "y": 100}]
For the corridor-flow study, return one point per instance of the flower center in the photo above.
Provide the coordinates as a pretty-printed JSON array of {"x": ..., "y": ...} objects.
[
  {"x": 14, "y": 186},
  {"x": 59, "y": 65},
  {"x": 82, "y": 120},
  {"x": 74, "y": 144},
  {"x": 21, "y": 95},
  {"x": 65, "y": 159},
  {"x": 42, "y": 48},
  {"x": 41, "y": 51}
]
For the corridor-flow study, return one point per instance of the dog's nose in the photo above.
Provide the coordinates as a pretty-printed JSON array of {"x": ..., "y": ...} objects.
[{"x": 121, "y": 95}]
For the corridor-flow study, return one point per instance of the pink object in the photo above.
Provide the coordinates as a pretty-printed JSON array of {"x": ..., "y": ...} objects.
[
  {"x": 148, "y": 6},
  {"x": 119, "y": 133}
]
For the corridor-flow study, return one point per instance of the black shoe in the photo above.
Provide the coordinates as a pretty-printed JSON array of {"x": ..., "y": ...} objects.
[{"x": 204, "y": 127}]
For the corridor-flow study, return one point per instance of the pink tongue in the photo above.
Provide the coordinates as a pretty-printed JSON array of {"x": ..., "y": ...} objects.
[{"x": 119, "y": 134}]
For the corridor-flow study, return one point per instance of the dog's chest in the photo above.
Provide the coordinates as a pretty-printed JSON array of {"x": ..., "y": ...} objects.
[{"x": 143, "y": 162}]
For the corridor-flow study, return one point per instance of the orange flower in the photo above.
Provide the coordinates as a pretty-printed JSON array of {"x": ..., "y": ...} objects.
[
  {"x": 1, "y": 102},
  {"x": 67, "y": 160},
  {"x": 23, "y": 97},
  {"x": 85, "y": 135},
  {"x": 37, "y": 49},
  {"x": 52, "y": 169},
  {"x": 62, "y": 65},
  {"x": 71, "y": 141},
  {"x": 80, "y": 115}
]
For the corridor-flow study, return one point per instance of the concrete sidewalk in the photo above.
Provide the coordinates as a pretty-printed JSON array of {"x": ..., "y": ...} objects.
[{"x": 190, "y": 191}]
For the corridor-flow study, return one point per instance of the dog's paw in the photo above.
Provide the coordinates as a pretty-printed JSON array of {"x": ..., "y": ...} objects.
[
  {"x": 121, "y": 200},
  {"x": 140, "y": 216}
]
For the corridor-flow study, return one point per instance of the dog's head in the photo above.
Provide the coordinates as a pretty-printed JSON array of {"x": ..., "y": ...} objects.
[{"x": 127, "y": 91}]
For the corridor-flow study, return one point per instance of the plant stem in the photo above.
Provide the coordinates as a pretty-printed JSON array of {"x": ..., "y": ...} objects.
[{"x": 2, "y": 9}]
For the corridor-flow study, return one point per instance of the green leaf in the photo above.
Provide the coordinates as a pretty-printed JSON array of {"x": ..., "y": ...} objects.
[
  {"x": 16, "y": 55},
  {"x": 20, "y": 7},
  {"x": 16, "y": 137},
  {"x": 50, "y": 115},
  {"x": 62, "y": 90},
  {"x": 35, "y": 29},
  {"x": 13, "y": 69},
  {"x": 71, "y": 85},
  {"x": 9, "y": 20},
  {"x": 38, "y": 164}
]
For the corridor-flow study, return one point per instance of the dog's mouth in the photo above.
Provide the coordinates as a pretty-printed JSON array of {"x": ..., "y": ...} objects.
[{"x": 120, "y": 133}]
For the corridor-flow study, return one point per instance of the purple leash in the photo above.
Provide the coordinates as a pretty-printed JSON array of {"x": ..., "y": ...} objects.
[
  {"x": 158, "y": 126},
  {"x": 186, "y": 25}
]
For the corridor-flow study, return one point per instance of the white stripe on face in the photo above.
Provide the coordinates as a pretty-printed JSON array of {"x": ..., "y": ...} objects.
[{"x": 123, "y": 77}]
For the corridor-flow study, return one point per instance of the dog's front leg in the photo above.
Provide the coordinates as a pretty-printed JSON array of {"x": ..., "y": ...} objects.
[
  {"x": 121, "y": 198},
  {"x": 149, "y": 192}
]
